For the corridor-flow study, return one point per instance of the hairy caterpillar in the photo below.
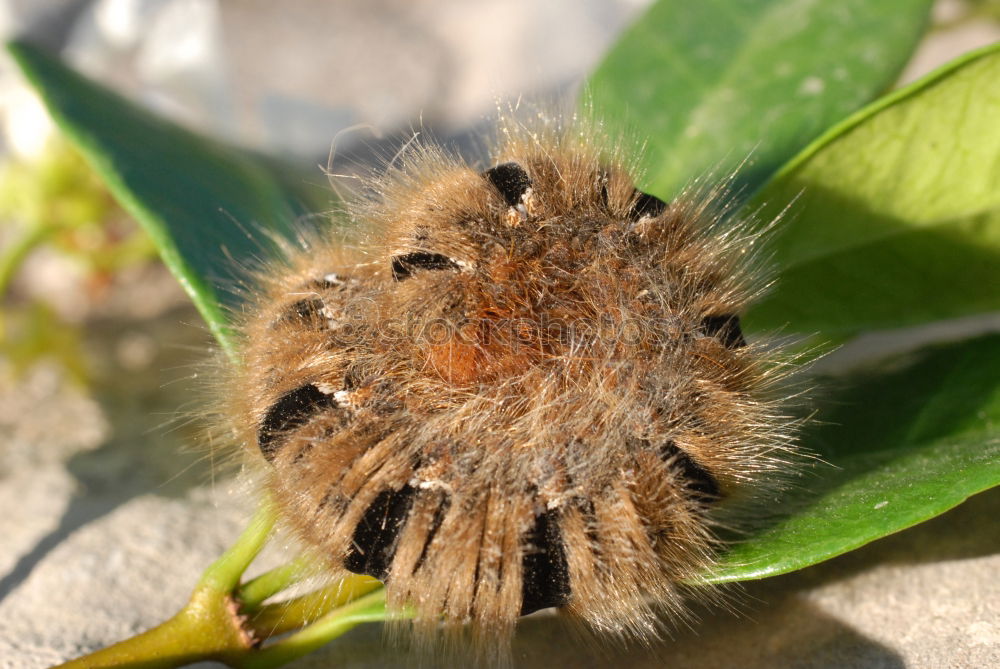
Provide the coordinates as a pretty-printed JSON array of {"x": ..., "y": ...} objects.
[{"x": 525, "y": 387}]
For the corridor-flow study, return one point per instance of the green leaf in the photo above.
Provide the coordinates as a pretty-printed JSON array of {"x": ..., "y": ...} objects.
[
  {"x": 903, "y": 446},
  {"x": 205, "y": 204},
  {"x": 705, "y": 84},
  {"x": 897, "y": 220}
]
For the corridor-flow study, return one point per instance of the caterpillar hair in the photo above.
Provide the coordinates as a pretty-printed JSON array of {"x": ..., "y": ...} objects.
[{"x": 524, "y": 385}]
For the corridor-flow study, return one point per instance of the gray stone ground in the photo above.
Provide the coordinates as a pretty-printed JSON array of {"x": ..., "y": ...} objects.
[{"x": 108, "y": 514}]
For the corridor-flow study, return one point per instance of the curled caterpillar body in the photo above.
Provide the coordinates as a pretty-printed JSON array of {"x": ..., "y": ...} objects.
[{"x": 526, "y": 388}]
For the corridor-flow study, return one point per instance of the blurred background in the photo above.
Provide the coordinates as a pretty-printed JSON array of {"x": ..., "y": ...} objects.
[{"x": 110, "y": 514}]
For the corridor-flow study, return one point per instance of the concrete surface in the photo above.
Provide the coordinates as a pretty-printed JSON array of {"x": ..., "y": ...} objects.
[{"x": 107, "y": 514}]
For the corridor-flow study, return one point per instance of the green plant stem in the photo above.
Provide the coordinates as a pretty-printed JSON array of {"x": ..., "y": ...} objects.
[
  {"x": 216, "y": 624},
  {"x": 14, "y": 256},
  {"x": 224, "y": 574},
  {"x": 281, "y": 617},
  {"x": 209, "y": 627},
  {"x": 254, "y": 592},
  {"x": 370, "y": 608}
]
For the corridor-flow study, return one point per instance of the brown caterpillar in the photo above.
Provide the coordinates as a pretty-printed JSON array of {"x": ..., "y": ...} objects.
[{"x": 526, "y": 387}]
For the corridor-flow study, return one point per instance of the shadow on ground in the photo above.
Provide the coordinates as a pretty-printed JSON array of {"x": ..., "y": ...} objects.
[{"x": 149, "y": 450}]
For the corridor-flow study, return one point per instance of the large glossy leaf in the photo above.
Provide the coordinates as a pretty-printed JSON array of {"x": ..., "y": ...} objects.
[
  {"x": 204, "y": 204},
  {"x": 705, "y": 84},
  {"x": 902, "y": 446},
  {"x": 896, "y": 219}
]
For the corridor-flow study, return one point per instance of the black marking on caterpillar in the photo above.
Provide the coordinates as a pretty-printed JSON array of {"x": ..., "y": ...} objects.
[
  {"x": 374, "y": 540},
  {"x": 404, "y": 266},
  {"x": 510, "y": 180},
  {"x": 647, "y": 205},
  {"x": 546, "y": 574},
  {"x": 697, "y": 479},
  {"x": 292, "y": 410},
  {"x": 726, "y": 328},
  {"x": 306, "y": 309}
]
